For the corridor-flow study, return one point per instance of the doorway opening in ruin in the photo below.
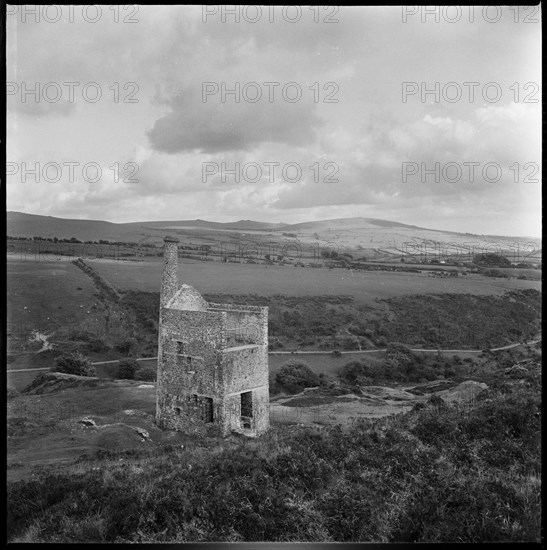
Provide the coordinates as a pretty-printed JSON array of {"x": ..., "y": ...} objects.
[{"x": 247, "y": 409}]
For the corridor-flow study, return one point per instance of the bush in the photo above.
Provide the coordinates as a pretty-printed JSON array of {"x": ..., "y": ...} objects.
[
  {"x": 274, "y": 387},
  {"x": 146, "y": 374},
  {"x": 74, "y": 363},
  {"x": 125, "y": 346},
  {"x": 490, "y": 260},
  {"x": 401, "y": 363},
  {"x": 357, "y": 373},
  {"x": 294, "y": 377},
  {"x": 127, "y": 369},
  {"x": 95, "y": 345}
]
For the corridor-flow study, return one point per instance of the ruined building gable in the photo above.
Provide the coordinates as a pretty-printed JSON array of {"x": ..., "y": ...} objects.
[{"x": 187, "y": 298}]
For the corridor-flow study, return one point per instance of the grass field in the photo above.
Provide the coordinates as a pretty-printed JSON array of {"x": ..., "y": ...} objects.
[
  {"x": 54, "y": 290},
  {"x": 232, "y": 278},
  {"x": 53, "y": 298},
  {"x": 59, "y": 299}
]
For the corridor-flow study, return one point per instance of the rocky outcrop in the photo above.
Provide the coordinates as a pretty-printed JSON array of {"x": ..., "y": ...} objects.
[{"x": 466, "y": 391}]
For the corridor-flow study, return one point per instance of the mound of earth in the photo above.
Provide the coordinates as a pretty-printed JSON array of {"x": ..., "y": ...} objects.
[
  {"x": 382, "y": 392},
  {"x": 119, "y": 437},
  {"x": 48, "y": 382}
]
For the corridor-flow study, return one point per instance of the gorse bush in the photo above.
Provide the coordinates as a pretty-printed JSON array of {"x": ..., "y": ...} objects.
[
  {"x": 74, "y": 363},
  {"x": 400, "y": 364},
  {"x": 360, "y": 373},
  {"x": 127, "y": 369},
  {"x": 295, "y": 376},
  {"x": 146, "y": 374},
  {"x": 125, "y": 346}
]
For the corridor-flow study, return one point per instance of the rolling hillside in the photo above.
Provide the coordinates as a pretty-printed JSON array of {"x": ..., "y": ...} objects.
[
  {"x": 20, "y": 224},
  {"x": 370, "y": 236}
]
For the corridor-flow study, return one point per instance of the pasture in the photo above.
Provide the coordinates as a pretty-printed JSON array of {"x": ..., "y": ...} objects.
[
  {"x": 49, "y": 295},
  {"x": 234, "y": 278}
]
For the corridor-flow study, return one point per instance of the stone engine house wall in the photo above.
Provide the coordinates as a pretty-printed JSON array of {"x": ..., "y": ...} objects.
[{"x": 212, "y": 361}]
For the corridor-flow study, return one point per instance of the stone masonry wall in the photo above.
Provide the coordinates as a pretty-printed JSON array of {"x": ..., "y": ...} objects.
[
  {"x": 202, "y": 367},
  {"x": 244, "y": 369}
]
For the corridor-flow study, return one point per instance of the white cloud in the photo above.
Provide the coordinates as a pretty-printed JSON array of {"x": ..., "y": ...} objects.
[{"x": 367, "y": 134}]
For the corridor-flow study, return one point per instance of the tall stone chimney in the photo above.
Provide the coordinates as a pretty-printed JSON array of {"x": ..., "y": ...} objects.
[{"x": 169, "y": 283}]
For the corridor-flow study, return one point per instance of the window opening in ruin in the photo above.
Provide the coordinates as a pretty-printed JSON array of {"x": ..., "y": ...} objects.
[
  {"x": 207, "y": 409},
  {"x": 247, "y": 404},
  {"x": 180, "y": 347},
  {"x": 178, "y": 410}
]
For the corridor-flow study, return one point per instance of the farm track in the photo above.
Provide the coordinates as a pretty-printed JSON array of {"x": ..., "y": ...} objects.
[{"x": 312, "y": 352}]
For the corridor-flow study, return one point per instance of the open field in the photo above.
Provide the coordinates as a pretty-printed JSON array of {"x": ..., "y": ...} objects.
[
  {"x": 57, "y": 294},
  {"x": 58, "y": 301},
  {"x": 233, "y": 278},
  {"x": 54, "y": 291},
  {"x": 57, "y": 291},
  {"x": 53, "y": 298}
]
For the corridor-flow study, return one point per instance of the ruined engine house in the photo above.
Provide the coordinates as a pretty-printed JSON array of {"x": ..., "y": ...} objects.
[{"x": 212, "y": 360}]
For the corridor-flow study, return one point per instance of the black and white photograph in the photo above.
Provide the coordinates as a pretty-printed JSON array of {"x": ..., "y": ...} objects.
[{"x": 274, "y": 274}]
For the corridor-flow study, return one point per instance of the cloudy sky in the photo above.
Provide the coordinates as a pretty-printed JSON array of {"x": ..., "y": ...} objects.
[{"x": 357, "y": 112}]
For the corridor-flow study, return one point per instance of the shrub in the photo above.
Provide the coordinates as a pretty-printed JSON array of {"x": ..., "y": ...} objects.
[
  {"x": 146, "y": 374},
  {"x": 358, "y": 373},
  {"x": 400, "y": 362},
  {"x": 125, "y": 346},
  {"x": 74, "y": 363},
  {"x": 127, "y": 369},
  {"x": 274, "y": 387},
  {"x": 294, "y": 377},
  {"x": 490, "y": 260},
  {"x": 95, "y": 345}
]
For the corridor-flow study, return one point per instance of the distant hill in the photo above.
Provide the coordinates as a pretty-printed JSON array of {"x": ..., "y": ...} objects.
[
  {"x": 20, "y": 224},
  {"x": 349, "y": 223},
  {"x": 375, "y": 237}
]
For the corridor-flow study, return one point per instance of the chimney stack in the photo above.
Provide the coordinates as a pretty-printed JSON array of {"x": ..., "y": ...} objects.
[{"x": 169, "y": 283}]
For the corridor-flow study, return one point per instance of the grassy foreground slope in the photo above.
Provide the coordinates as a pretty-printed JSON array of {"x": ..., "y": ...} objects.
[{"x": 437, "y": 474}]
